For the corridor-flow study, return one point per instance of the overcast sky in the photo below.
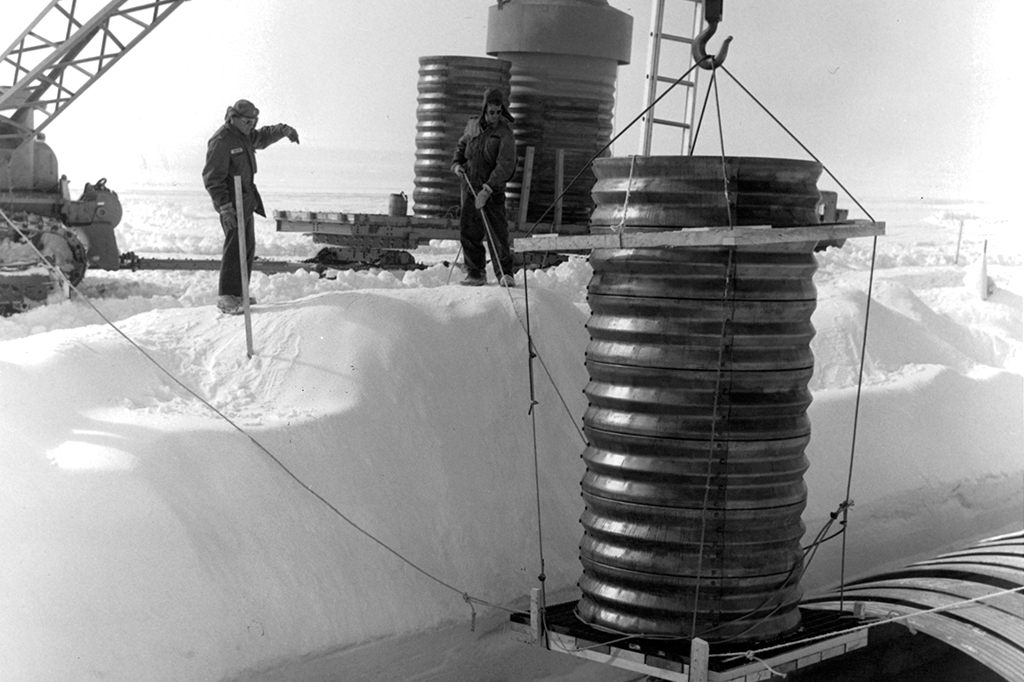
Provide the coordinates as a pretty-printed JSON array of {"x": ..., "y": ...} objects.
[{"x": 909, "y": 98}]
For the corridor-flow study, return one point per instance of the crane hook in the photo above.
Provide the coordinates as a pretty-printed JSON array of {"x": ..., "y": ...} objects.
[{"x": 699, "y": 49}]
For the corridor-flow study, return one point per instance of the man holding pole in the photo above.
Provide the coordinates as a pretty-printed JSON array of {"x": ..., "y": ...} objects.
[
  {"x": 231, "y": 152},
  {"x": 485, "y": 159}
]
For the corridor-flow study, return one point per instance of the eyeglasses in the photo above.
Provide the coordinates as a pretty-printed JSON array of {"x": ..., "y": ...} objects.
[{"x": 248, "y": 121}]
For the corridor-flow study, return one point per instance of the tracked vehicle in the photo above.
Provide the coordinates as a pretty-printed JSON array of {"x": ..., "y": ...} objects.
[{"x": 54, "y": 60}]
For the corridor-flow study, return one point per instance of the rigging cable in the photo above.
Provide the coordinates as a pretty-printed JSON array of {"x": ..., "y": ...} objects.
[
  {"x": 729, "y": 274},
  {"x": 540, "y": 358},
  {"x": 531, "y": 352},
  {"x": 847, "y": 503}
]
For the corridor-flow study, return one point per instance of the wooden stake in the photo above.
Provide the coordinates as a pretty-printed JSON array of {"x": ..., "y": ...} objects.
[
  {"x": 959, "y": 236},
  {"x": 984, "y": 272},
  {"x": 699, "y": 651},
  {"x": 524, "y": 192},
  {"x": 535, "y": 626},
  {"x": 244, "y": 265},
  {"x": 559, "y": 181}
]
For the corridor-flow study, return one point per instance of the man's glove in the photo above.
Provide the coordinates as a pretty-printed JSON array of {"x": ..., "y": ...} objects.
[
  {"x": 228, "y": 219},
  {"x": 292, "y": 134},
  {"x": 459, "y": 170},
  {"x": 483, "y": 195}
]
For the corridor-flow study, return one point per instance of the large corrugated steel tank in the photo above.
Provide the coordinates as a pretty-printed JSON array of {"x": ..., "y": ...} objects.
[
  {"x": 699, "y": 361},
  {"x": 450, "y": 92},
  {"x": 564, "y": 56}
]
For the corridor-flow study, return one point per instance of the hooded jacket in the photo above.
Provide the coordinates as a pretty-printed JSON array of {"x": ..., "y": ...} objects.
[
  {"x": 230, "y": 152},
  {"x": 488, "y": 152}
]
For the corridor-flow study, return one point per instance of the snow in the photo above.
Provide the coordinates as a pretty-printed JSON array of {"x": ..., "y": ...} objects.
[{"x": 152, "y": 532}]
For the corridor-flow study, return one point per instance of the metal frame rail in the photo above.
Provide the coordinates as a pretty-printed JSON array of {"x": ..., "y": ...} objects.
[{"x": 366, "y": 230}]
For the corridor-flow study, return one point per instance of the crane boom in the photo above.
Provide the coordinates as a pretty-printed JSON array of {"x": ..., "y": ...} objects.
[
  {"x": 44, "y": 70},
  {"x": 58, "y": 57}
]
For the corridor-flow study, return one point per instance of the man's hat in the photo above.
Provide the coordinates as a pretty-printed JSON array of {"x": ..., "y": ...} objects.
[
  {"x": 496, "y": 96},
  {"x": 242, "y": 108}
]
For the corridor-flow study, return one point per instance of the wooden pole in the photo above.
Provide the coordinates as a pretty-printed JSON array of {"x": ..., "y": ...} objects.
[
  {"x": 959, "y": 236},
  {"x": 524, "y": 191},
  {"x": 984, "y": 272},
  {"x": 559, "y": 181},
  {"x": 244, "y": 269},
  {"x": 535, "y": 624},
  {"x": 699, "y": 651}
]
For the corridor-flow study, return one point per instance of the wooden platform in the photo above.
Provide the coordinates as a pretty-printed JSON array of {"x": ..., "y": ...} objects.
[{"x": 670, "y": 659}]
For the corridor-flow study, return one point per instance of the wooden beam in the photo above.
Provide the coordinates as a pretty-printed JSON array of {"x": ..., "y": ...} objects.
[
  {"x": 702, "y": 236},
  {"x": 559, "y": 182},
  {"x": 524, "y": 192}
]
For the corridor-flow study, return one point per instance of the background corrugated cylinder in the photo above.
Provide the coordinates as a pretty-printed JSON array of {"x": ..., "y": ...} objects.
[
  {"x": 560, "y": 102},
  {"x": 699, "y": 361},
  {"x": 450, "y": 92},
  {"x": 564, "y": 55}
]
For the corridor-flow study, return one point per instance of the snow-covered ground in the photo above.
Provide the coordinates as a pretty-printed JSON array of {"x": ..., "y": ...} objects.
[{"x": 149, "y": 536}]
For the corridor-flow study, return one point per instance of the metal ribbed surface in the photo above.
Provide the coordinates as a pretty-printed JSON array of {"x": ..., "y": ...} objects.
[
  {"x": 990, "y": 630},
  {"x": 699, "y": 362},
  {"x": 664, "y": 192},
  {"x": 561, "y": 102},
  {"x": 451, "y": 92},
  {"x": 564, "y": 56}
]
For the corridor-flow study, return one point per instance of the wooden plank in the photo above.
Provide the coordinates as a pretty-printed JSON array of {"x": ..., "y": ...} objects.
[
  {"x": 559, "y": 182},
  {"x": 844, "y": 642},
  {"x": 701, "y": 236},
  {"x": 698, "y": 660},
  {"x": 687, "y": 671},
  {"x": 524, "y": 192},
  {"x": 620, "y": 658}
]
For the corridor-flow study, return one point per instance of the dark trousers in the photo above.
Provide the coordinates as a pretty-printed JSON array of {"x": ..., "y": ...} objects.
[
  {"x": 472, "y": 232},
  {"x": 230, "y": 268}
]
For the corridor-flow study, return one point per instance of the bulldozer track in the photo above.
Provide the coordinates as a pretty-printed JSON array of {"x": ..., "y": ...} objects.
[{"x": 33, "y": 249}]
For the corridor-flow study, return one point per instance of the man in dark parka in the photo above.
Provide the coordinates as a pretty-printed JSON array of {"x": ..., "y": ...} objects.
[
  {"x": 230, "y": 152},
  {"x": 485, "y": 157}
]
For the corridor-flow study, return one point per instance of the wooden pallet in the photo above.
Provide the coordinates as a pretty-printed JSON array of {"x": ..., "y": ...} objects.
[{"x": 687, "y": 660}]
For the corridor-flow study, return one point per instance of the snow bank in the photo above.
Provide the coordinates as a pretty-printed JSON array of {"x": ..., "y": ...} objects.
[
  {"x": 147, "y": 538},
  {"x": 151, "y": 536}
]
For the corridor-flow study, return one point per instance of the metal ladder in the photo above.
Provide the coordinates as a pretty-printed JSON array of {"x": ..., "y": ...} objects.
[{"x": 654, "y": 77}]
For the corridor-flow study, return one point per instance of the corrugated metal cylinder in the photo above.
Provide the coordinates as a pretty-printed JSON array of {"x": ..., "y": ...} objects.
[
  {"x": 451, "y": 90},
  {"x": 564, "y": 56},
  {"x": 699, "y": 361}
]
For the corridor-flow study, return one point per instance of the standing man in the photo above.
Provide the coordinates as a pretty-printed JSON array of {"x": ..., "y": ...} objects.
[
  {"x": 485, "y": 158},
  {"x": 230, "y": 152}
]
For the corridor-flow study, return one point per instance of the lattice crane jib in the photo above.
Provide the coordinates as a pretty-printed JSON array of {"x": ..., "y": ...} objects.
[{"x": 60, "y": 54}]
